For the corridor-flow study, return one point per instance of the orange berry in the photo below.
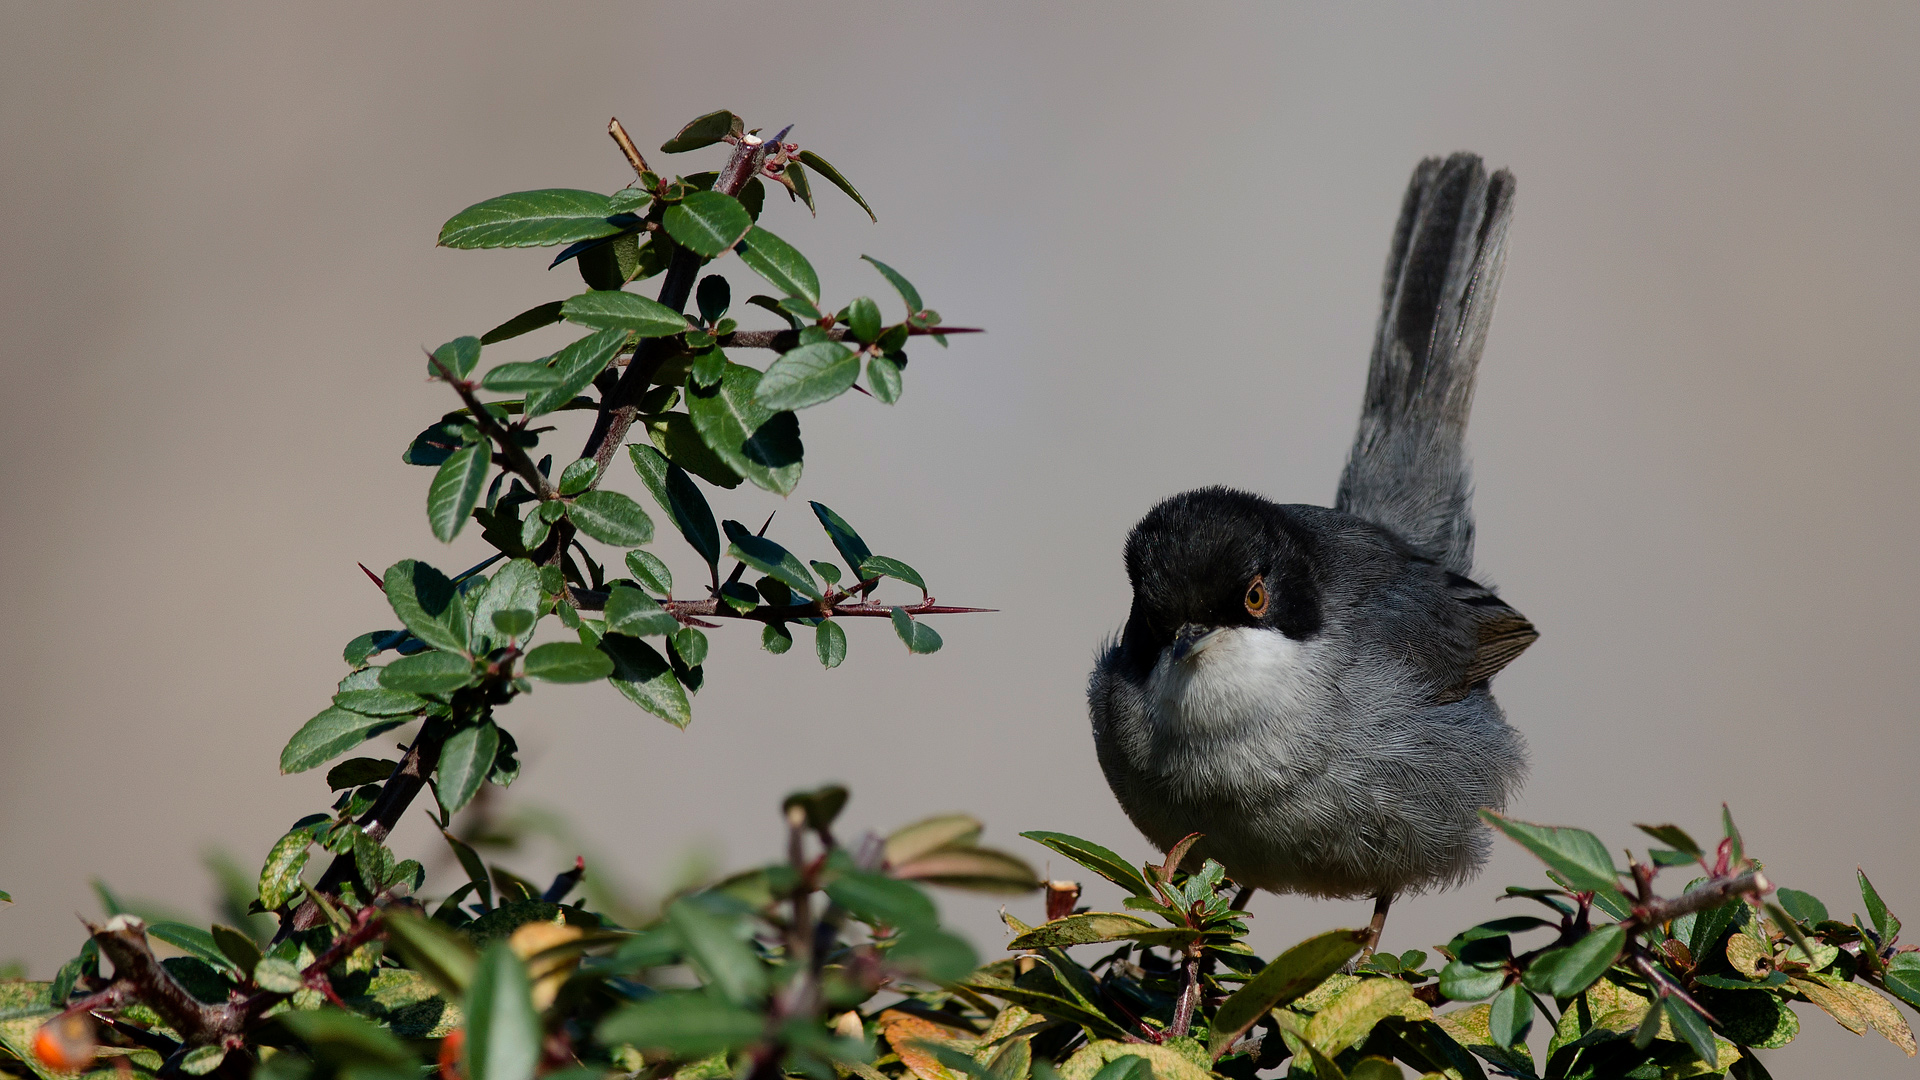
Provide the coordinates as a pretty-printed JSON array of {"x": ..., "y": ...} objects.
[
  {"x": 66, "y": 1043},
  {"x": 450, "y": 1048}
]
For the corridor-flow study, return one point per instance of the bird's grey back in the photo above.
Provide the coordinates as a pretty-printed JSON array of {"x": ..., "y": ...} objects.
[{"x": 1408, "y": 468}]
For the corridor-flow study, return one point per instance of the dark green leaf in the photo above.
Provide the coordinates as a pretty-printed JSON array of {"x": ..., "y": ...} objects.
[
  {"x": 1733, "y": 833},
  {"x": 340, "y": 1036},
  {"x": 676, "y": 437},
  {"x": 1884, "y": 922},
  {"x": 690, "y": 645},
  {"x": 330, "y": 734},
  {"x": 465, "y": 761},
  {"x": 567, "y": 662},
  {"x": 845, "y": 540},
  {"x": 1802, "y": 905},
  {"x": 798, "y": 187},
  {"x": 635, "y": 614},
  {"x": 1095, "y": 858},
  {"x": 239, "y": 949},
  {"x": 708, "y": 222},
  {"x": 526, "y": 322},
  {"x": 1461, "y": 981},
  {"x": 685, "y": 1025},
  {"x": 458, "y": 356},
  {"x": 819, "y": 164},
  {"x": 771, "y": 559},
  {"x": 514, "y": 623},
  {"x": 380, "y": 702},
  {"x": 521, "y": 377},
  {"x": 713, "y": 944},
  {"x": 429, "y": 673},
  {"x": 437, "y": 443},
  {"x": 612, "y": 310},
  {"x": 828, "y": 572},
  {"x": 440, "y": 954},
  {"x": 578, "y": 476},
  {"x": 647, "y": 680},
  {"x": 531, "y": 219},
  {"x": 1674, "y": 836},
  {"x": 503, "y": 1032},
  {"x": 427, "y": 604},
  {"x": 476, "y": 873},
  {"x": 708, "y": 368},
  {"x": 829, "y": 644},
  {"x": 1291, "y": 974},
  {"x": 776, "y": 638},
  {"x": 649, "y": 572},
  {"x": 1562, "y": 973},
  {"x": 883, "y": 378},
  {"x": 360, "y": 771},
  {"x": 713, "y": 297},
  {"x": 611, "y": 518},
  {"x": 514, "y": 587},
  {"x": 576, "y": 367},
  {"x": 908, "y": 293},
  {"x": 882, "y": 566},
  {"x": 757, "y": 442},
  {"x": 933, "y": 954},
  {"x": 1510, "y": 1017},
  {"x": 191, "y": 938},
  {"x": 1689, "y": 1026},
  {"x": 882, "y": 901},
  {"x": 599, "y": 262},
  {"x": 918, "y": 636},
  {"x": 456, "y": 489},
  {"x": 808, "y": 375},
  {"x": 1085, "y": 928},
  {"x": 366, "y": 646},
  {"x": 280, "y": 874},
  {"x": 863, "y": 319},
  {"x": 1576, "y": 854},
  {"x": 780, "y": 263},
  {"x": 1902, "y": 977},
  {"x": 703, "y": 131},
  {"x": 680, "y": 497}
]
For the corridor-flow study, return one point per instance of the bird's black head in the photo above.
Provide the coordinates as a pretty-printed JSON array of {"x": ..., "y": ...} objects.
[{"x": 1216, "y": 558}]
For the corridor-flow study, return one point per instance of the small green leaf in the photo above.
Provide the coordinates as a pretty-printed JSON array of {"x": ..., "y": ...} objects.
[
  {"x": 1802, "y": 905},
  {"x": 883, "y": 378},
  {"x": 1576, "y": 854},
  {"x": 1689, "y": 1026},
  {"x": 1098, "y": 859},
  {"x": 780, "y": 264},
  {"x": 191, "y": 938},
  {"x": 1461, "y": 981},
  {"x": 531, "y": 219},
  {"x": 202, "y": 1060},
  {"x": 934, "y": 955},
  {"x": 456, "y": 489},
  {"x": 882, "y": 566},
  {"x": 703, "y": 131},
  {"x": 690, "y": 645},
  {"x": 1902, "y": 977},
  {"x": 577, "y": 366},
  {"x": 520, "y": 377},
  {"x": 332, "y": 733},
  {"x": 819, "y": 164},
  {"x": 278, "y": 976},
  {"x": 428, "y": 673},
  {"x": 684, "y": 1025},
  {"x": 380, "y": 702},
  {"x": 280, "y": 875},
  {"x": 239, "y": 949},
  {"x": 635, "y": 614},
  {"x": 708, "y": 222},
  {"x": 829, "y": 644},
  {"x": 458, "y": 356},
  {"x": 465, "y": 761},
  {"x": 1291, "y": 975},
  {"x": 680, "y": 497},
  {"x": 611, "y": 518},
  {"x": 1673, "y": 836},
  {"x": 845, "y": 540},
  {"x": 908, "y": 294},
  {"x": 427, "y": 604},
  {"x": 828, "y": 572},
  {"x": 708, "y": 368},
  {"x": 729, "y": 965},
  {"x": 514, "y": 623},
  {"x": 770, "y": 559},
  {"x": 612, "y": 310},
  {"x": 503, "y": 1031},
  {"x": 651, "y": 574},
  {"x": 578, "y": 476},
  {"x": 514, "y": 587},
  {"x": 524, "y": 323},
  {"x": 675, "y": 435},
  {"x": 646, "y": 679},
  {"x": 879, "y": 900},
  {"x": 359, "y": 772},
  {"x": 808, "y": 375},
  {"x": 776, "y": 638},
  {"x": 567, "y": 662},
  {"x": 1510, "y": 1017},
  {"x": 1884, "y": 922},
  {"x": 1563, "y": 973},
  {"x": 863, "y": 319},
  {"x": 759, "y": 443}
]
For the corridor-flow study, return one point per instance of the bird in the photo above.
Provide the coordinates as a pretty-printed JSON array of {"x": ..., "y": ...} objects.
[{"x": 1309, "y": 688}]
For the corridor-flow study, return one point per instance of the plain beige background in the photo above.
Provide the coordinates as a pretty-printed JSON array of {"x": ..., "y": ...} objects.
[{"x": 1694, "y": 436}]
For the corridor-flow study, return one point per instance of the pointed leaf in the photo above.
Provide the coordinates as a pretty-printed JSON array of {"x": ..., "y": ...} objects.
[
  {"x": 429, "y": 673},
  {"x": 1884, "y": 922},
  {"x": 918, "y": 636},
  {"x": 531, "y": 219},
  {"x": 1084, "y": 929},
  {"x": 524, "y": 323},
  {"x": 191, "y": 938},
  {"x": 1576, "y": 854},
  {"x": 576, "y": 366},
  {"x": 328, "y": 735},
  {"x": 809, "y": 375},
  {"x": 1510, "y": 1017},
  {"x": 882, "y": 566},
  {"x": 908, "y": 294},
  {"x": 1689, "y": 1026},
  {"x": 280, "y": 875},
  {"x": 427, "y": 604},
  {"x": 458, "y": 356},
  {"x": 567, "y": 662},
  {"x": 771, "y": 559},
  {"x": 456, "y": 489},
  {"x": 685, "y": 1025},
  {"x": 883, "y": 378},
  {"x": 1673, "y": 836},
  {"x": 830, "y": 644},
  {"x": 845, "y": 540},
  {"x": 703, "y": 131},
  {"x": 819, "y": 164},
  {"x": 757, "y": 442},
  {"x": 1290, "y": 976},
  {"x": 521, "y": 377},
  {"x": 708, "y": 222},
  {"x": 611, "y": 518},
  {"x": 601, "y": 309},
  {"x": 1095, "y": 858},
  {"x": 647, "y": 680},
  {"x": 649, "y": 572},
  {"x": 465, "y": 761},
  {"x": 680, "y": 498},
  {"x": 780, "y": 264},
  {"x": 503, "y": 1031},
  {"x": 635, "y": 614},
  {"x": 728, "y": 964},
  {"x": 1563, "y": 973}
]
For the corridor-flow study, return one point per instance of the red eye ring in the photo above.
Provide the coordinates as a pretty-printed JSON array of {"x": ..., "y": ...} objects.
[{"x": 1256, "y": 598}]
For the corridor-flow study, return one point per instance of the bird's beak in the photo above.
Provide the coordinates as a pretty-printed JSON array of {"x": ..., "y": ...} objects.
[{"x": 1192, "y": 640}]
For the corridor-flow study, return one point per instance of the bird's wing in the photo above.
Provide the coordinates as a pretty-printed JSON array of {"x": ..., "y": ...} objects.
[{"x": 1501, "y": 633}]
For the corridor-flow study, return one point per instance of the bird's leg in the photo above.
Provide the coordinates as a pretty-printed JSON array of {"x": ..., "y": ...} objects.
[{"x": 1380, "y": 905}]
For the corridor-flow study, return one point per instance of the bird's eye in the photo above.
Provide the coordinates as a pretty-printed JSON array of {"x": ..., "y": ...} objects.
[{"x": 1257, "y": 598}]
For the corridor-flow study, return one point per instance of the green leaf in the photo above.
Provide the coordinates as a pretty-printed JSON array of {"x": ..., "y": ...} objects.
[
  {"x": 433, "y": 950},
  {"x": 531, "y": 219},
  {"x": 757, "y": 442},
  {"x": 647, "y": 569},
  {"x": 578, "y": 476},
  {"x": 1802, "y": 905},
  {"x": 503, "y": 1031},
  {"x": 1563, "y": 973},
  {"x": 1902, "y": 977},
  {"x": 515, "y": 587},
  {"x": 202, "y": 1060},
  {"x": 882, "y": 566},
  {"x": 359, "y": 772},
  {"x": 456, "y": 489},
  {"x": 1689, "y": 1026},
  {"x": 776, "y": 638},
  {"x": 429, "y": 673},
  {"x": 647, "y": 680},
  {"x": 427, "y": 604},
  {"x": 918, "y": 636},
  {"x": 338, "y": 1035},
  {"x": 612, "y": 310},
  {"x": 685, "y": 1025},
  {"x": 278, "y": 976},
  {"x": 879, "y": 900},
  {"x": 703, "y": 131},
  {"x": 280, "y": 874},
  {"x": 1884, "y": 922},
  {"x": 458, "y": 356},
  {"x": 708, "y": 222},
  {"x": 524, "y": 323},
  {"x": 1673, "y": 836},
  {"x": 521, "y": 377},
  {"x": 239, "y": 949},
  {"x": 708, "y": 368},
  {"x": 908, "y": 293},
  {"x": 728, "y": 965},
  {"x": 1576, "y": 854},
  {"x": 577, "y": 365},
  {"x": 883, "y": 378},
  {"x": 332, "y": 733},
  {"x": 465, "y": 761},
  {"x": 1086, "y": 928},
  {"x": 819, "y": 164},
  {"x": 845, "y": 540},
  {"x": 933, "y": 954},
  {"x": 611, "y": 518},
  {"x": 567, "y": 662},
  {"x": 635, "y": 614},
  {"x": 1290, "y": 976},
  {"x": 829, "y": 644},
  {"x": 675, "y": 436},
  {"x": 809, "y": 375},
  {"x": 191, "y": 938},
  {"x": 780, "y": 263},
  {"x": 1095, "y": 858},
  {"x": 863, "y": 319},
  {"x": 1461, "y": 981},
  {"x": 691, "y": 645},
  {"x": 770, "y": 559},
  {"x": 680, "y": 498},
  {"x": 438, "y": 442},
  {"x": 1510, "y": 1017},
  {"x": 380, "y": 702}
]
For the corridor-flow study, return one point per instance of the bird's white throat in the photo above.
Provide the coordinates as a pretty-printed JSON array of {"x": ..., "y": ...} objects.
[{"x": 1236, "y": 677}]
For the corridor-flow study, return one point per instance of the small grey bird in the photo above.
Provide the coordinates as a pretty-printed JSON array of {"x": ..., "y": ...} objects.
[{"x": 1308, "y": 688}]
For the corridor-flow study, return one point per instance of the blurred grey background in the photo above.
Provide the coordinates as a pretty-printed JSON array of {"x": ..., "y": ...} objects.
[{"x": 1694, "y": 435}]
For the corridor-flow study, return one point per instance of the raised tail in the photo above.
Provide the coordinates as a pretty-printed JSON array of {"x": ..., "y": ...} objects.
[{"x": 1408, "y": 470}]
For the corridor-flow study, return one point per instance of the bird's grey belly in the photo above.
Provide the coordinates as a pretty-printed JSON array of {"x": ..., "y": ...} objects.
[{"x": 1379, "y": 796}]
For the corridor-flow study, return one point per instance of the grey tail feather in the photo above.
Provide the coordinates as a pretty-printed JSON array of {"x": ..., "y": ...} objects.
[{"x": 1408, "y": 469}]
